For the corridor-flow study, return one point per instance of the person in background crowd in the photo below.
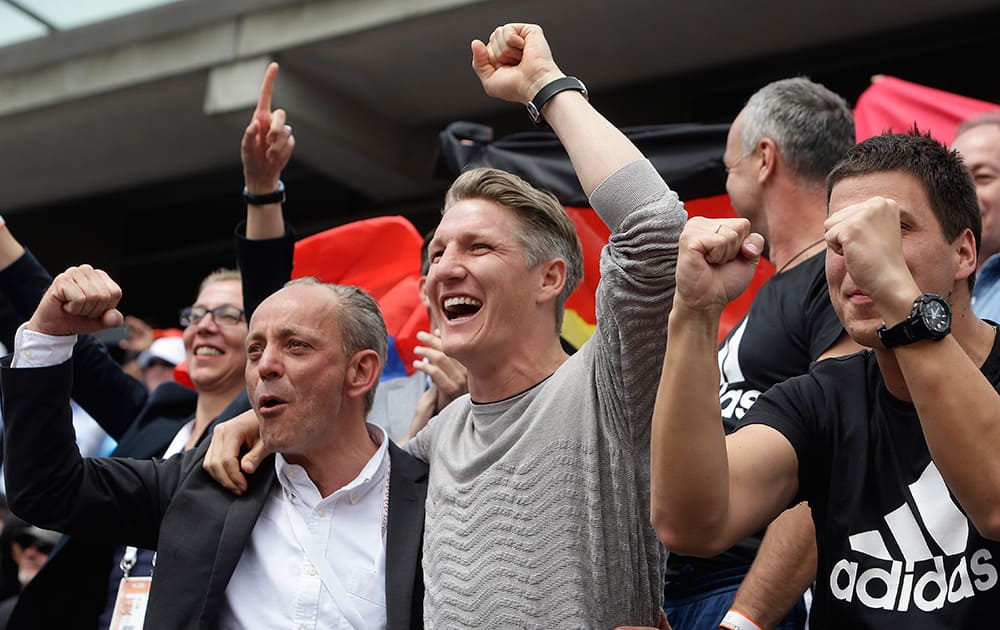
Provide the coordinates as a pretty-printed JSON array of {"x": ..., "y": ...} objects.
[
  {"x": 24, "y": 548},
  {"x": 978, "y": 141},
  {"x": 159, "y": 360}
]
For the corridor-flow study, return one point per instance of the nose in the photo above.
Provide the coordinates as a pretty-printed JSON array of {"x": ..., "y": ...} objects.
[
  {"x": 448, "y": 266},
  {"x": 206, "y": 322},
  {"x": 269, "y": 364}
]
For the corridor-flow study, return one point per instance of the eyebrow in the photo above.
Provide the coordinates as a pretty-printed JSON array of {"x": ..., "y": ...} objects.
[
  {"x": 285, "y": 331},
  {"x": 906, "y": 215}
]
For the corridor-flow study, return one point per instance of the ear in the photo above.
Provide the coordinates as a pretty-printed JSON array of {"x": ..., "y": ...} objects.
[
  {"x": 767, "y": 160},
  {"x": 422, "y": 291},
  {"x": 362, "y": 373},
  {"x": 553, "y": 279},
  {"x": 965, "y": 255}
]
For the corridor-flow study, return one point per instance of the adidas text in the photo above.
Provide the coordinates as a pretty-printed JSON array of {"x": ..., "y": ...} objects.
[
  {"x": 897, "y": 589},
  {"x": 736, "y": 402}
]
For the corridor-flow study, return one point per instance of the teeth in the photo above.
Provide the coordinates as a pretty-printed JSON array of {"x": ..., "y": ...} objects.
[
  {"x": 207, "y": 350},
  {"x": 461, "y": 301}
]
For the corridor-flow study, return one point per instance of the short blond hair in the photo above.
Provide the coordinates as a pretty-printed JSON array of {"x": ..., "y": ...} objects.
[{"x": 547, "y": 232}]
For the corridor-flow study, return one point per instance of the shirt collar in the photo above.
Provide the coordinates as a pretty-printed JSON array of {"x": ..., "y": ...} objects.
[{"x": 295, "y": 481}]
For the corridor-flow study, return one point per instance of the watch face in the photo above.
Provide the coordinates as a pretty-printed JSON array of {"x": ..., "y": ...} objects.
[{"x": 936, "y": 316}]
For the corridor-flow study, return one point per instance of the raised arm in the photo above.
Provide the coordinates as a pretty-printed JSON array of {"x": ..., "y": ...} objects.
[
  {"x": 48, "y": 482},
  {"x": 100, "y": 386},
  {"x": 264, "y": 255},
  {"x": 265, "y": 150},
  {"x": 515, "y": 65},
  {"x": 704, "y": 496},
  {"x": 265, "y": 250}
]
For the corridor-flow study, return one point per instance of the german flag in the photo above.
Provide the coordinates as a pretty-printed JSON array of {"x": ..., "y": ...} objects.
[{"x": 687, "y": 156}]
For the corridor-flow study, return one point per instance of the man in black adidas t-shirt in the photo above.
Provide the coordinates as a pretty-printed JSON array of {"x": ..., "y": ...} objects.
[
  {"x": 779, "y": 149},
  {"x": 905, "y": 539}
]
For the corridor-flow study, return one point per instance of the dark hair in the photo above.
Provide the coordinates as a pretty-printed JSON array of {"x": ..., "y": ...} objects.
[
  {"x": 946, "y": 181},
  {"x": 425, "y": 255}
]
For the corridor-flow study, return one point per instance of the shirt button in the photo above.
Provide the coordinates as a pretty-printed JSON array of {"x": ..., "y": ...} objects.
[
  {"x": 354, "y": 497},
  {"x": 311, "y": 571},
  {"x": 321, "y": 513}
]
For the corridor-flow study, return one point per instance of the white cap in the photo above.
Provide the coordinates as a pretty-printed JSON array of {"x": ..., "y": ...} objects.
[{"x": 169, "y": 349}]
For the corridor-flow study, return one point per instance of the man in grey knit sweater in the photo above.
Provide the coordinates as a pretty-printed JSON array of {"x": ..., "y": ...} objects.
[{"x": 537, "y": 512}]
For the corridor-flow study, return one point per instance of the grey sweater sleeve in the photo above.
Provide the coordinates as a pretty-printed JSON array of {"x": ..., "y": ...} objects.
[{"x": 635, "y": 294}]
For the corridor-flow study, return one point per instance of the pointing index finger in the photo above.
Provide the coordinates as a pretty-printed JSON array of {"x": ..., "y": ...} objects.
[{"x": 267, "y": 88}]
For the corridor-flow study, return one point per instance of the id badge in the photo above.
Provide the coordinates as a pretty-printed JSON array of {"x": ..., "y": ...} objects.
[{"x": 130, "y": 604}]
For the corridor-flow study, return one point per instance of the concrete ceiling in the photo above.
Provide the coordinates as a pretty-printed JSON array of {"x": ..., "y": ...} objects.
[
  {"x": 120, "y": 140},
  {"x": 368, "y": 83}
]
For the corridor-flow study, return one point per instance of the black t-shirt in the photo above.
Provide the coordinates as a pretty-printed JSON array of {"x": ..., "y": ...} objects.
[
  {"x": 895, "y": 548},
  {"x": 789, "y": 324}
]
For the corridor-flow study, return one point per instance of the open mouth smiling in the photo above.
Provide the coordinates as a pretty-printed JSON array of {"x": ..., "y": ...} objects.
[
  {"x": 207, "y": 351},
  {"x": 460, "y": 307}
]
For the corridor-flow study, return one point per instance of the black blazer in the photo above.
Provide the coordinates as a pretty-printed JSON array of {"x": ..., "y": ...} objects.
[
  {"x": 72, "y": 587},
  {"x": 198, "y": 528}
]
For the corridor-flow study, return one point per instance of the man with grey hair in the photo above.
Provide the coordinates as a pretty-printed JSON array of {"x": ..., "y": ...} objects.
[
  {"x": 779, "y": 150},
  {"x": 977, "y": 139},
  {"x": 323, "y": 537}
]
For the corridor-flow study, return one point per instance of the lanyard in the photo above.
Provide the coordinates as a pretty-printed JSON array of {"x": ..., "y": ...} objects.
[
  {"x": 317, "y": 557},
  {"x": 129, "y": 558}
]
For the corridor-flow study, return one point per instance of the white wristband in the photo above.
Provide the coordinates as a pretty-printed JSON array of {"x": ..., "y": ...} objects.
[
  {"x": 2, "y": 222},
  {"x": 735, "y": 620}
]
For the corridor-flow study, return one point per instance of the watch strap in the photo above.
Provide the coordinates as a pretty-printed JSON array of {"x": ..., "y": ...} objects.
[
  {"x": 550, "y": 89},
  {"x": 913, "y": 328},
  {"x": 905, "y": 332},
  {"x": 278, "y": 196}
]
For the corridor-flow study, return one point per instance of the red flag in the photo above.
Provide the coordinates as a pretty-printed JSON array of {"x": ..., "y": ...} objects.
[
  {"x": 380, "y": 255},
  {"x": 580, "y": 320},
  {"x": 891, "y": 104}
]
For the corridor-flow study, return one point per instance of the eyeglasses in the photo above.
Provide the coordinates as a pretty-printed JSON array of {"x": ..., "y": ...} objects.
[
  {"x": 26, "y": 541},
  {"x": 225, "y": 315}
]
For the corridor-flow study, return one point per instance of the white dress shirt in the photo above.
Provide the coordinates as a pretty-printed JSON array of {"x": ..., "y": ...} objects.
[{"x": 276, "y": 584}]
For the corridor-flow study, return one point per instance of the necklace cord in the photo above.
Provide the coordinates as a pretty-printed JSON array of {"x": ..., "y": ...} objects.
[{"x": 796, "y": 256}]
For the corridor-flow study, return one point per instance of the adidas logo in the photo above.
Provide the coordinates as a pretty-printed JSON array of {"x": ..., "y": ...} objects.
[
  {"x": 922, "y": 579},
  {"x": 735, "y": 402}
]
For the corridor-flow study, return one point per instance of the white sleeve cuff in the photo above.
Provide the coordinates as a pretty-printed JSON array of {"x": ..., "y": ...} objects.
[{"x": 34, "y": 349}]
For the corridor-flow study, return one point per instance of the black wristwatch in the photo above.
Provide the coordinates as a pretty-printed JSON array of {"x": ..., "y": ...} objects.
[
  {"x": 277, "y": 196},
  {"x": 548, "y": 91},
  {"x": 929, "y": 319}
]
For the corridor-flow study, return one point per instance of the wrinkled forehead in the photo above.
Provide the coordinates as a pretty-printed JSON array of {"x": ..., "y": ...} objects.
[
  {"x": 301, "y": 305},
  {"x": 980, "y": 144},
  {"x": 476, "y": 217}
]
